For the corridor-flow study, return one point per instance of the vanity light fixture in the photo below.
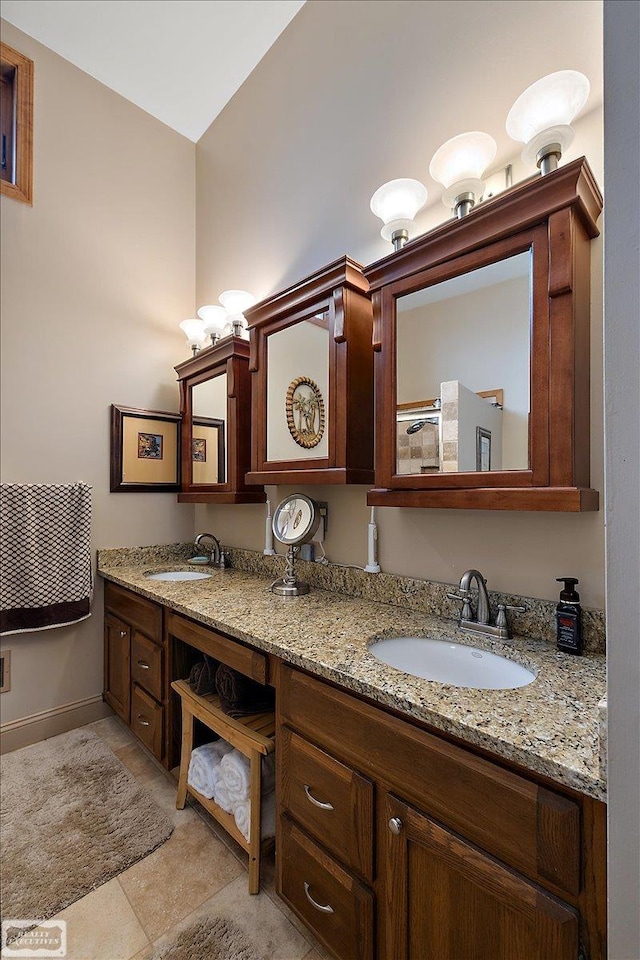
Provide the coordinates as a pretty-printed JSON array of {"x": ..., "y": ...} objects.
[
  {"x": 235, "y": 302},
  {"x": 194, "y": 332},
  {"x": 541, "y": 117},
  {"x": 214, "y": 319},
  {"x": 396, "y": 203},
  {"x": 459, "y": 165}
]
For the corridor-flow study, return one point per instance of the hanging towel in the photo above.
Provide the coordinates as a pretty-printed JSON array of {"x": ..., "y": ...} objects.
[
  {"x": 242, "y": 816},
  {"x": 45, "y": 555}
]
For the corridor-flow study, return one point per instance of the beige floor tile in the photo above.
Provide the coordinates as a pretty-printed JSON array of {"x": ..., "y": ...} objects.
[
  {"x": 163, "y": 791},
  {"x": 113, "y": 731},
  {"x": 138, "y": 761},
  {"x": 177, "y": 877},
  {"x": 103, "y": 926},
  {"x": 312, "y": 955},
  {"x": 264, "y": 924}
]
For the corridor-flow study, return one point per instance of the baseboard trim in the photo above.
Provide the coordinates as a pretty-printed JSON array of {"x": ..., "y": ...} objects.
[{"x": 49, "y": 723}]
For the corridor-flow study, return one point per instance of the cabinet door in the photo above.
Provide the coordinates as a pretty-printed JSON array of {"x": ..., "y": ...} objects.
[
  {"x": 444, "y": 899},
  {"x": 117, "y": 683}
]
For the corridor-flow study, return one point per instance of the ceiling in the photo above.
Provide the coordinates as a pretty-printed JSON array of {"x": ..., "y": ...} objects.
[{"x": 180, "y": 60}]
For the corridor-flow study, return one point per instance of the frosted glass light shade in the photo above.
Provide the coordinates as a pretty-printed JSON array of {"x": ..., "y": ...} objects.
[
  {"x": 235, "y": 302},
  {"x": 544, "y": 112},
  {"x": 396, "y": 203},
  {"x": 460, "y": 163},
  {"x": 213, "y": 318},
  {"x": 193, "y": 331}
]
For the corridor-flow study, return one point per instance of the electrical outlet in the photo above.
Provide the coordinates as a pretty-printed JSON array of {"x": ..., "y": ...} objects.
[
  {"x": 321, "y": 532},
  {"x": 5, "y": 671}
]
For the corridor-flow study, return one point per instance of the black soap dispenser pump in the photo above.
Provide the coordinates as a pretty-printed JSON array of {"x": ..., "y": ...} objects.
[{"x": 569, "y": 617}]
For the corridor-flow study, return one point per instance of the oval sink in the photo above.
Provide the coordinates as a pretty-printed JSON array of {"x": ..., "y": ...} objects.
[
  {"x": 179, "y": 575},
  {"x": 452, "y": 663}
]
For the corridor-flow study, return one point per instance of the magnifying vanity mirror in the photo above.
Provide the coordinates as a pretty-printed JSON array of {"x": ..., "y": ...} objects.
[
  {"x": 481, "y": 340},
  {"x": 215, "y": 401},
  {"x": 295, "y": 522}
]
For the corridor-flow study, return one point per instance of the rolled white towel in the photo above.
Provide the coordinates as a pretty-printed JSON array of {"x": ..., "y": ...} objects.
[
  {"x": 242, "y": 816},
  {"x": 221, "y": 796},
  {"x": 221, "y": 747},
  {"x": 204, "y": 769},
  {"x": 236, "y": 772}
]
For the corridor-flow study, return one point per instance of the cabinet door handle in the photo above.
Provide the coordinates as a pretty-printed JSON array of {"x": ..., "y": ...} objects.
[
  {"x": 395, "y": 825},
  {"x": 316, "y": 803},
  {"x": 143, "y": 722},
  {"x": 123, "y": 633},
  {"x": 314, "y": 903},
  {"x": 143, "y": 665}
]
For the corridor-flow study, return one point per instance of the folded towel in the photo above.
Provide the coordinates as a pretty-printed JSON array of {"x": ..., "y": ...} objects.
[
  {"x": 236, "y": 775},
  {"x": 45, "y": 556},
  {"x": 239, "y": 695},
  {"x": 204, "y": 768},
  {"x": 235, "y": 770},
  {"x": 202, "y": 678},
  {"x": 242, "y": 816},
  {"x": 221, "y": 796}
]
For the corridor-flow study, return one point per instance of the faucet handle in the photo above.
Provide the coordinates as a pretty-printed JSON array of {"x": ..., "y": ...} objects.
[
  {"x": 501, "y": 619},
  {"x": 467, "y": 613}
]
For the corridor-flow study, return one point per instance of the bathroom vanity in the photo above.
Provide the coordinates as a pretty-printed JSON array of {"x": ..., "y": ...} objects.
[{"x": 415, "y": 819}]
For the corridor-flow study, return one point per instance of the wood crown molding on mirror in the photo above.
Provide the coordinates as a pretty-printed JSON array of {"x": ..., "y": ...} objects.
[
  {"x": 553, "y": 217},
  {"x": 16, "y": 145}
]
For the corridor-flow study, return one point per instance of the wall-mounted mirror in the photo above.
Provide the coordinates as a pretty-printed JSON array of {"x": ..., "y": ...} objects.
[
  {"x": 298, "y": 390},
  {"x": 481, "y": 335},
  {"x": 462, "y": 382},
  {"x": 215, "y": 399}
]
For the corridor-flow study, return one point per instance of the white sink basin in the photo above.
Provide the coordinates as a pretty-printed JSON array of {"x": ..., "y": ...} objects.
[
  {"x": 452, "y": 663},
  {"x": 179, "y": 575}
]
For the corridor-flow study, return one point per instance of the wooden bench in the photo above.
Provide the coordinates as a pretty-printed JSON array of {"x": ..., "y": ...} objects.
[{"x": 252, "y": 736}]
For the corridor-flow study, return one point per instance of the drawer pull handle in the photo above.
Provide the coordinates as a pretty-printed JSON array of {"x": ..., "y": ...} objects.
[
  {"x": 395, "y": 825},
  {"x": 316, "y": 803},
  {"x": 314, "y": 903},
  {"x": 143, "y": 665},
  {"x": 143, "y": 722}
]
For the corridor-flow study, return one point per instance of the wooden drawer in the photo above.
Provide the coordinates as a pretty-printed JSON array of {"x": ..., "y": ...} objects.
[
  {"x": 330, "y": 800},
  {"x": 147, "y": 720},
  {"x": 245, "y": 660},
  {"x": 146, "y": 664},
  {"x": 532, "y": 828},
  {"x": 136, "y": 610},
  {"x": 336, "y": 906}
]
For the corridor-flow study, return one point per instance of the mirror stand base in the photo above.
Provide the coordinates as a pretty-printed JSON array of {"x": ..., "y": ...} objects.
[{"x": 283, "y": 589}]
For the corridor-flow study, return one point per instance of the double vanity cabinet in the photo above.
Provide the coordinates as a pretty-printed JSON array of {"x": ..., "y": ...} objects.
[{"x": 394, "y": 840}]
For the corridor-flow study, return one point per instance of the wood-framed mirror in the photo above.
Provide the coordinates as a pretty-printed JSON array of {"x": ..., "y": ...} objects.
[
  {"x": 215, "y": 403},
  {"x": 481, "y": 333}
]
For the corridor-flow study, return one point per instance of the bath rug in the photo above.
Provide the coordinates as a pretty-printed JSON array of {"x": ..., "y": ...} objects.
[
  {"x": 71, "y": 818},
  {"x": 211, "y": 938}
]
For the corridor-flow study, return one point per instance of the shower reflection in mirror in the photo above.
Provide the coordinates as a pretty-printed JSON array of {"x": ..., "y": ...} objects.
[{"x": 465, "y": 344}]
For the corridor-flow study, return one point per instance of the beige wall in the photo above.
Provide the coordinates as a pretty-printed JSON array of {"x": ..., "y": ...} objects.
[
  {"x": 95, "y": 277},
  {"x": 339, "y": 105}
]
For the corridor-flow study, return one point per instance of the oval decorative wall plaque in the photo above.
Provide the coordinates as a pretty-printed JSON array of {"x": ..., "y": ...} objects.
[{"x": 305, "y": 412}]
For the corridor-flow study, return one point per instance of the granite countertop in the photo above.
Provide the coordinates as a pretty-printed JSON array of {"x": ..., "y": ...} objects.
[{"x": 549, "y": 726}]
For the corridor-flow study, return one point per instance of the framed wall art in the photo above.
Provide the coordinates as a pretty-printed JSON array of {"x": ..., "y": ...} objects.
[
  {"x": 145, "y": 451},
  {"x": 207, "y": 450}
]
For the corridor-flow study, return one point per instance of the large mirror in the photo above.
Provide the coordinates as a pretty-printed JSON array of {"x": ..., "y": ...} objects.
[
  {"x": 463, "y": 372},
  {"x": 298, "y": 390},
  {"x": 208, "y": 431}
]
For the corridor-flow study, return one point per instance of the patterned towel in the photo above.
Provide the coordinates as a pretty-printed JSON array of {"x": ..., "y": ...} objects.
[{"x": 45, "y": 555}]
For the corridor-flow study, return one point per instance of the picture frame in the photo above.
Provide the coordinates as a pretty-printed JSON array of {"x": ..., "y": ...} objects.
[
  {"x": 144, "y": 451},
  {"x": 208, "y": 455}
]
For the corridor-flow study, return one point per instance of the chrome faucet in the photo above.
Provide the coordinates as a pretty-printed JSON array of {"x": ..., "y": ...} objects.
[
  {"x": 481, "y": 622},
  {"x": 217, "y": 554}
]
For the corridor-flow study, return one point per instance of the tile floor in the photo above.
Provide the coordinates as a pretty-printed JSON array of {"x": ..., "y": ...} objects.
[{"x": 199, "y": 871}]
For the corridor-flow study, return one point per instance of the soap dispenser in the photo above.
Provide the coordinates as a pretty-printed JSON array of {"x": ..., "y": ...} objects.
[{"x": 569, "y": 617}]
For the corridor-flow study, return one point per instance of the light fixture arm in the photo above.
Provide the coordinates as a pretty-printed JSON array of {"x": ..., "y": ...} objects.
[{"x": 548, "y": 158}]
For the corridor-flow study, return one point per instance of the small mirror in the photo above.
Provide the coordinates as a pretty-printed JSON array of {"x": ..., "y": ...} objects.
[
  {"x": 298, "y": 390},
  {"x": 463, "y": 380},
  {"x": 209, "y": 416},
  {"x": 295, "y": 522}
]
